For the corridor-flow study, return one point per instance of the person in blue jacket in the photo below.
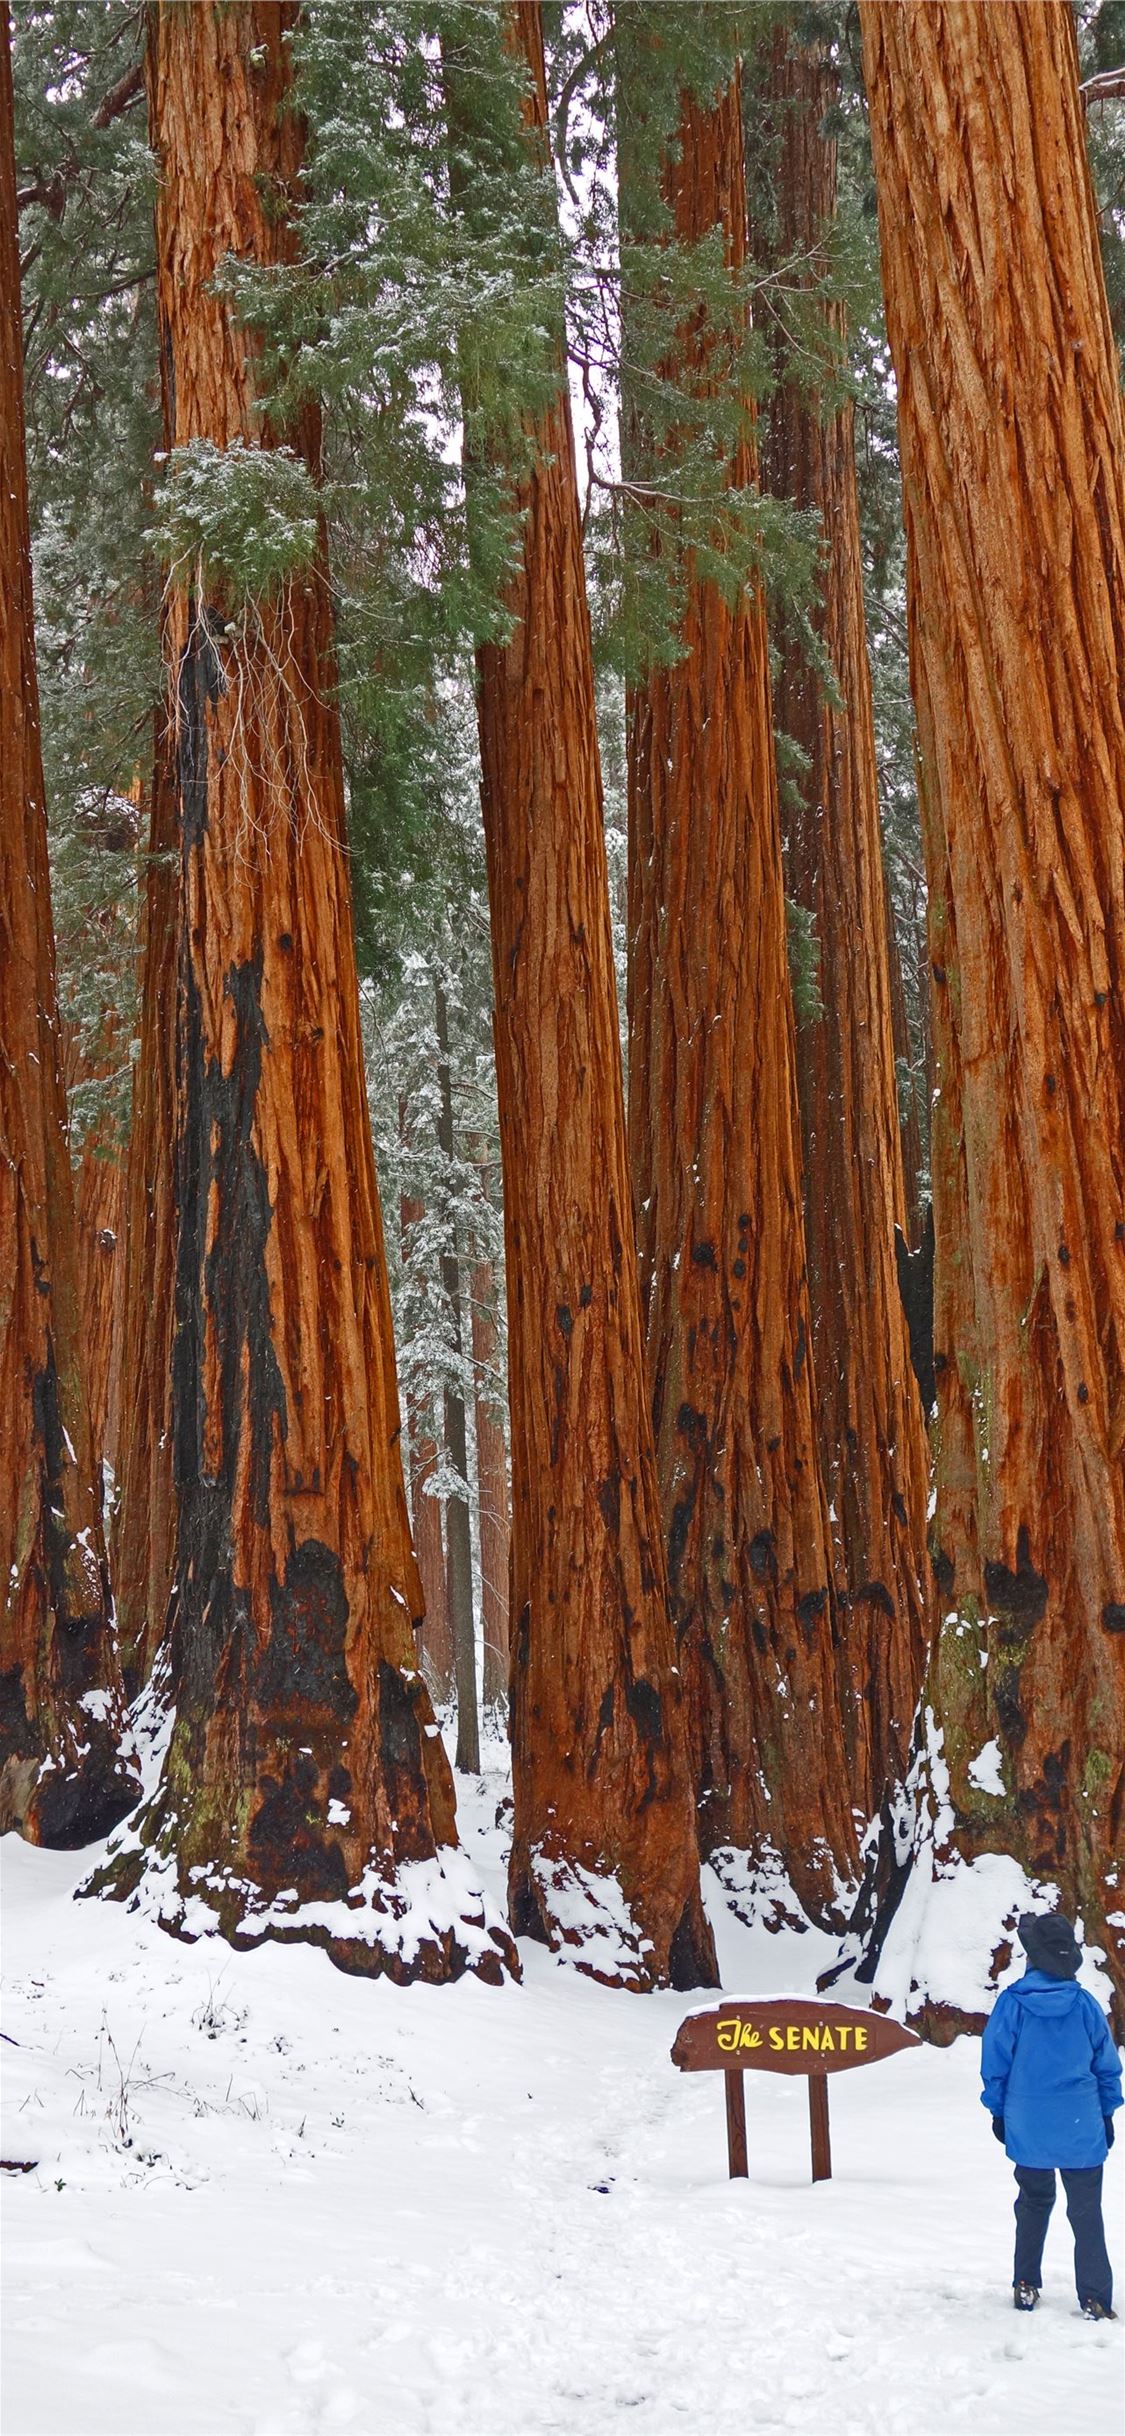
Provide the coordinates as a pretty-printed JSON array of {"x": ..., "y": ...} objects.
[{"x": 1052, "y": 2081}]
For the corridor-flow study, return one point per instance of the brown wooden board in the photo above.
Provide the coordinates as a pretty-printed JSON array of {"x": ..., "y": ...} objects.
[{"x": 795, "y": 2034}]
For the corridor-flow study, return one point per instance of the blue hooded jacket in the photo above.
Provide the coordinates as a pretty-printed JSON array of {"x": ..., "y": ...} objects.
[{"x": 1050, "y": 2068}]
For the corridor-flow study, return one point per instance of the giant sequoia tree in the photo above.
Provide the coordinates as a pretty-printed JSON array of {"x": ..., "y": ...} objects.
[
  {"x": 142, "y": 1544},
  {"x": 305, "y": 1770},
  {"x": 872, "y": 1435},
  {"x": 715, "y": 1142},
  {"x": 62, "y": 1778},
  {"x": 1012, "y": 448},
  {"x": 599, "y": 1754}
]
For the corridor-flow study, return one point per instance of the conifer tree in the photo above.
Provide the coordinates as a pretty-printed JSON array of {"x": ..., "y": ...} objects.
[
  {"x": 304, "y": 1773},
  {"x": 63, "y": 1778},
  {"x": 600, "y": 1770},
  {"x": 1010, "y": 427},
  {"x": 714, "y": 1125},
  {"x": 872, "y": 1438}
]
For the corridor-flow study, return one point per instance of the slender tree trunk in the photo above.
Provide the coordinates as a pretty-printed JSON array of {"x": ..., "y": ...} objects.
[
  {"x": 99, "y": 1180},
  {"x": 872, "y": 1434},
  {"x": 458, "y": 1528},
  {"x": 429, "y": 1545},
  {"x": 99, "y": 1198},
  {"x": 601, "y": 1779},
  {"x": 492, "y": 1477},
  {"x": 910, "y": 1130},
  {"x": 1013, "y": 447},
  {"x": 63, "y": 1779},
  {"x": 303, "y": 1769},
  {"x": 714, "y": 1138},
  {"x": 144, "y": 1527}
]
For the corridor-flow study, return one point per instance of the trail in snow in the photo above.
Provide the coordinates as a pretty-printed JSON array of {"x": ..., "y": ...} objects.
[{"x": 345, "y": 2206}]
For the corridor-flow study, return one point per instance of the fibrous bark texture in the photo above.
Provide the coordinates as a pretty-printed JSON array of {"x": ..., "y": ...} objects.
[
  {"x": 715, "y": 1146},
  {"x": 99, "y": 1172},
  {"x": 142, "y": 1544},
  {"x": 872, "y": 1436},
  {"x": 601, "y": 1782},
  {"x": 99, "y": 1194},
  {"x": 910, "y": 1129},
  {"x": 1012, "y": 446},
  {"x": 63, "y": 1779},
  {"x": 305, "y": 1771}
]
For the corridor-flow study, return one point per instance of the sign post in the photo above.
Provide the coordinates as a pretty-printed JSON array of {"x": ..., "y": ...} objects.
[{"x": 790, "y": 2034}]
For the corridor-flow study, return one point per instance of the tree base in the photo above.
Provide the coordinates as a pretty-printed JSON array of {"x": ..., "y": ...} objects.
[
  {"x": 932, "y": 1937},
  {"x": 583, "y": 1916},
  {"x": 424, "y": 1920},
  {"x": 64, "y": 1800}
]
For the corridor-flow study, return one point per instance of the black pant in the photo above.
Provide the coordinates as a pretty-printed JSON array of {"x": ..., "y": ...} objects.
[{"x": 1083, "y": 2186}]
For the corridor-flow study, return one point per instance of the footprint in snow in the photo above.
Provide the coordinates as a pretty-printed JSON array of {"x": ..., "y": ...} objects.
[{"x": 306, "y": 2363}]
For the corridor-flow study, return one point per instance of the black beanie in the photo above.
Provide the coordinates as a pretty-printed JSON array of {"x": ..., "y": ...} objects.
[{"x": 1050, "y": 1944}]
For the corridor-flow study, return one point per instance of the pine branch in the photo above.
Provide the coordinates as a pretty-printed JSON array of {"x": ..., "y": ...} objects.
[
  {"x": 52, "y": 193},
  {"x": 1108, "y": 85}
]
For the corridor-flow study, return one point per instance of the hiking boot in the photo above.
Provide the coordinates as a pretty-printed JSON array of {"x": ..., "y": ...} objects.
[
  {"x": 1097, "y": 2309},
  {"x": 1025, "y": 2296}
]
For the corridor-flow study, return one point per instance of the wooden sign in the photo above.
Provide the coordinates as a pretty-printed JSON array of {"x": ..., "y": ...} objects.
[{"x": 793, "y": 2034}]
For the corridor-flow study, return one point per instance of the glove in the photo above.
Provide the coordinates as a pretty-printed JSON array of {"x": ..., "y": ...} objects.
[
  {"x": 1108, "y": 2121},
  {"x": 998, "y": 2127}
]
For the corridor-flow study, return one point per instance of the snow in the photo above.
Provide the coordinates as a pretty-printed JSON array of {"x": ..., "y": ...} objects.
[
  {"x": 271, "y": 2199},
  {"x": 986, "y": 1772}
]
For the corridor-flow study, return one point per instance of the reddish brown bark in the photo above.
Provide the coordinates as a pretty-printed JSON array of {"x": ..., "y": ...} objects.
[
  {"x": 304, "y": 1768},
  {"x": 910, "y": 1129},
  {"x": 62, "y": 1778},
  {"x": 1012, "y": 446},
  {"x": 601, "y": 1778},
  {"x": 99, "y": 1171},
  {"x": 144, "y": 1525},
  {"x": 492, "y": 1482},
  {"x": 872, "y": 1436},
  {"x": 99, "y": 1197},
  {"x": 714, "y": 1137}
]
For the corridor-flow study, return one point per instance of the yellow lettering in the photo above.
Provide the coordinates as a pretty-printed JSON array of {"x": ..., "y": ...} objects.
[
  {"x": 861, "y": 2038},
  {"x": 750, "y": 2036},
  {"x": 827, "y": 2042},
  {"x": 776, "y": 2039},
  {"x": 843, "y": 2033},
  {"x": 792, "y": 2036},
  {"x": 810, "y": 2036},
  {"x": 727, "y": 2036}
]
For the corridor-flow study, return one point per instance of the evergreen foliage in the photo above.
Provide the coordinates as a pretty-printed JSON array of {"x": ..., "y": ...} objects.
[
  {"x": 85, "y": 195},
  {"x": 431, "y": 267}
]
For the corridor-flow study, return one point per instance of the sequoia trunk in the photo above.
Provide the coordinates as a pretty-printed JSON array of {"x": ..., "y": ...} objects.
[
  {"x": 715, "y": 1144},
  {"x": 910, "y": 1129},
  {"x": 63, "y": 1780},
  {"x": 603, "y": 1801},
  {"x": 144, "y": 1526},
  {"x": 872, "y": 1436},
  {"x": 304, "y": 1768},
  {"x": 1012, "y": 445}
]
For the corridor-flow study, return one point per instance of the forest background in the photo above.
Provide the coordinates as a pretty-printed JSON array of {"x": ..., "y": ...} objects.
[{"x": 701, "y": 331}]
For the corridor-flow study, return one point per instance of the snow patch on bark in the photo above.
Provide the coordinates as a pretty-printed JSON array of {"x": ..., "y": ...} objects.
[
  {"x": 591, "y": 1923},
  {"x": 951, "y": 1942}
]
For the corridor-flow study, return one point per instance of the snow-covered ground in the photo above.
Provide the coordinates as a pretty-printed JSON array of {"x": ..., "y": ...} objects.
[{"x": 269, "y": 2198}]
